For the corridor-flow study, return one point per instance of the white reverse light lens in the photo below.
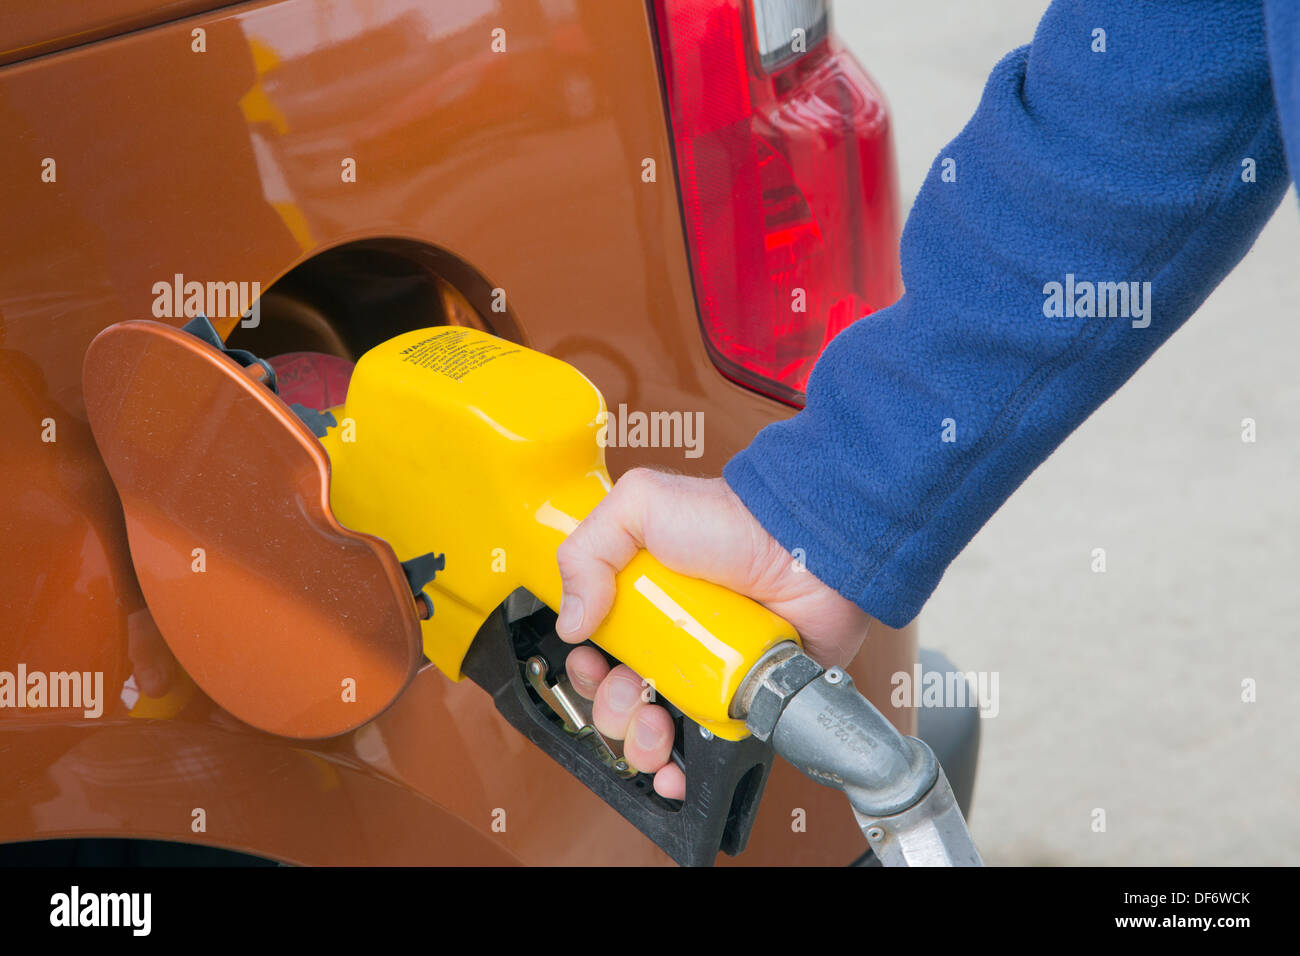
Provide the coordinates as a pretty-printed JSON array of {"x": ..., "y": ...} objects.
[{"x": 786, "y": 29}]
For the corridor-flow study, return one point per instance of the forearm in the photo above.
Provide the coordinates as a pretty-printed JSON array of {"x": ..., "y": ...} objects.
[{"x": 1118, "y": 167}]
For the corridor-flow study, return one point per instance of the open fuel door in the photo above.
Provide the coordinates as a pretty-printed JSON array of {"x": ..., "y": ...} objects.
[{"x": 288, "y": 620}]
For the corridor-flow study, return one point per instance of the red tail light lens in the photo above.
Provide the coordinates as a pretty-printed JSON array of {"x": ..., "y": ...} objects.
[{"x": 788, "y": 188}]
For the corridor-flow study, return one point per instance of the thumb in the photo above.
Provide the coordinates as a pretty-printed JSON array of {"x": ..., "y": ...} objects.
[{"x": 598, "y": 549}]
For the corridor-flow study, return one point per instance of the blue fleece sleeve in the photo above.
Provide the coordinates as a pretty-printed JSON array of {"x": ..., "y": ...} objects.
[{"x": 1079, "y": 166}]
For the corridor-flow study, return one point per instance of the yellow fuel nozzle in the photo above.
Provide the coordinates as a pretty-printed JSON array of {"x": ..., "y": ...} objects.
[{"x": 457, "y": 441}]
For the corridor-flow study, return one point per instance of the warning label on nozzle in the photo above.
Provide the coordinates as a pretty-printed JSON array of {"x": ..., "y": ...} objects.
[{"x": 455, "y": 353}]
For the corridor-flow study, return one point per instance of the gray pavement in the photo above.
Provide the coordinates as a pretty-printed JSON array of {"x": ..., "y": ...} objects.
[{"x": 1123, "y": 690}]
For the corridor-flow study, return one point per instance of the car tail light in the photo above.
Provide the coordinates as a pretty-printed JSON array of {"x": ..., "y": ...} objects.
[{"x": 787, "y": 183}]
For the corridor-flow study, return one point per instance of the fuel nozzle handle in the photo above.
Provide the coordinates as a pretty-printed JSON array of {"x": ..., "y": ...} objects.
[{"x": 817, "y": 720}]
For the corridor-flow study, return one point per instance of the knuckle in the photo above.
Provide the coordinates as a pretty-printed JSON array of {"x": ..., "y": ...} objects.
[
  {"x": 568, "y": 570},
  {"x": 571, "y": 556},
  {"x": 637, "y": 481},
  {"x": 624, "y": 672}
]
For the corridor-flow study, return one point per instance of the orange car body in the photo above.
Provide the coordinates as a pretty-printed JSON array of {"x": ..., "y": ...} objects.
[{"x": 153, "y": 140}]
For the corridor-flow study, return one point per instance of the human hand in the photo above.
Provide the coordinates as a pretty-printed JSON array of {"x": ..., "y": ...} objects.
[{"x": 697, "y": 527}]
